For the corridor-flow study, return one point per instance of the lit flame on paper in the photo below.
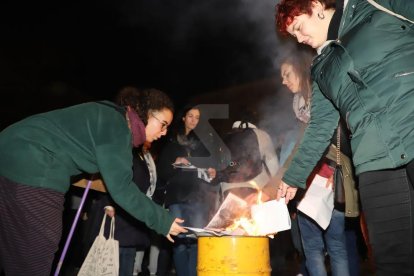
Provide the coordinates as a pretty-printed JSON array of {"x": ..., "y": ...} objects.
[{"x": 249, "y": 225}]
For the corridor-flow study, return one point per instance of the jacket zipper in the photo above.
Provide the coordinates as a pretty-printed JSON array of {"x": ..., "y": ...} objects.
[{"x": 403, "y": 74}]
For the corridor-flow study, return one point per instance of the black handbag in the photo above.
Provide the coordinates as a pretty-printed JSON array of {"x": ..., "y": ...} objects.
[{"x": 338, "y": 177}]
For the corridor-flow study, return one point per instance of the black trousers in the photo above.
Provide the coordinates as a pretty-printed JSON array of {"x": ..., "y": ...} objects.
[{"x": 387, "y": 198}]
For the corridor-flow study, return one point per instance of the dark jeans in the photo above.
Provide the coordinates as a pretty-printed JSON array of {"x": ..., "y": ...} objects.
[
  {"x": 388, "y": 203},
  {"x": 185, "y": 249},
  {"x": 297, "y": 243},
  {"x": 315, "y": 240},
  {"x": 126, "y": 260},
  {"x": 351, "y": 235},
  {"x": 164, "y": 262}
]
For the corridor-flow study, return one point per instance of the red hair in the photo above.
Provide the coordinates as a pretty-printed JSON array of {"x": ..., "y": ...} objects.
[{"x": 287, "y": 10}]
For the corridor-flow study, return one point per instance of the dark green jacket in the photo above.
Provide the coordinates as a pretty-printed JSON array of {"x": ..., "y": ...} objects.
[
  {"x": 45, "y": 150},
  {"x": 367, "y": 77}
]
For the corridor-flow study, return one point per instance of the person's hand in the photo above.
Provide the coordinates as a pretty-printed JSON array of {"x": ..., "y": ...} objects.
[
  {"x": 211, "y": 173},
  {"x": 109, "y": 211},
  {"x": 286, "y": 191},
  {"x": 176, "y": 229},
  {"x": 181, "y": 160}
]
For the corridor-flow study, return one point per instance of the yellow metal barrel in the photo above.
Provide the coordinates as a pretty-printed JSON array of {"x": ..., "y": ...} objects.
[{"x": 233, "y": 255}]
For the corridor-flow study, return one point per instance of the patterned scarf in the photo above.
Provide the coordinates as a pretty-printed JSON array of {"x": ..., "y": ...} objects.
[{"x": 301, "y": 108}]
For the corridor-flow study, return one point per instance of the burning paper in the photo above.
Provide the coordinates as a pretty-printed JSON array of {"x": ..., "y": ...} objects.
[
  {"x": 230, "y": 210},
  {"x": 235, "y": 217}
]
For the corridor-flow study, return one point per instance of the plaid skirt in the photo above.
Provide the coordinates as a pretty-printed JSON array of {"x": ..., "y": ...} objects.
[{"x": 30, "y": 228}]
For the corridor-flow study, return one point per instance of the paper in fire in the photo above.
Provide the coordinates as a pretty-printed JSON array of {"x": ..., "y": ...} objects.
[{"x": 236, "y": 217}]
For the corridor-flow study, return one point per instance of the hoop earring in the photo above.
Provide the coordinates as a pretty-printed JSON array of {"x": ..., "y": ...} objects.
[{"x": 321, "y": 16}]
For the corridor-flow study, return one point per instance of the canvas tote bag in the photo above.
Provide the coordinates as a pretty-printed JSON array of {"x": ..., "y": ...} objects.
[{"x": 103, "y": 257}]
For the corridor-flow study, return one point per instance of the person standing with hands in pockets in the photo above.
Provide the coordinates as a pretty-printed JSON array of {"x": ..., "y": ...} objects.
[{"x": 364, "y": 72}]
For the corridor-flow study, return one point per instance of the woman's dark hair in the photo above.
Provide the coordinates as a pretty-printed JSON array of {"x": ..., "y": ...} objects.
[
  {"x": 301, "y": 61},
  {"x": 286, "y": 10},
  {"x": 180, "y": 126},
  {"x": 144, "y": 100}
]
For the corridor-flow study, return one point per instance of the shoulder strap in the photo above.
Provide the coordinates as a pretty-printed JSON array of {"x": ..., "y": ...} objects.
[
  {"x": 338, "y": 145},
  {"x": 266, "y": 167},
  {"x": 384, "y": 9}
]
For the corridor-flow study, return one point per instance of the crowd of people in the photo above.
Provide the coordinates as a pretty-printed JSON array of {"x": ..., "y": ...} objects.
[{"x": 352, "y": 95}]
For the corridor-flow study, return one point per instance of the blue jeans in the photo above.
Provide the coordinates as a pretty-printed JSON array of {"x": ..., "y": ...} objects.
[
  {"x": 295, "y": 233},
  {"x": 297, "y": 243},
  {"x": 351, "y": 225},
  {"x": 314, "y": 240},
  {"x": 185, "y": 249},
  {"x": 126, "y": 260}
]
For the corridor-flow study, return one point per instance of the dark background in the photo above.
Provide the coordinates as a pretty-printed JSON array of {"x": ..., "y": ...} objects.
[{"x": 54, "y": 54}]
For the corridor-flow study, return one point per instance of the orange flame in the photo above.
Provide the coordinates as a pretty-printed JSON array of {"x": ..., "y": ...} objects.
[{"x": 248, "y": 225}]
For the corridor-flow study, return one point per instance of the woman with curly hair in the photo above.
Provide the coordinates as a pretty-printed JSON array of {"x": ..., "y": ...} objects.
[{"x": 41, "y": 153}]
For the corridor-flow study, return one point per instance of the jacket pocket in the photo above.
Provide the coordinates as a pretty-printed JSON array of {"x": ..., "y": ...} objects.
[{"x": 367, "y": 144}]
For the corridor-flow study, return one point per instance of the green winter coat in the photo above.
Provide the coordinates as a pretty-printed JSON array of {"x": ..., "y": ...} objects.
[
  {"x": 47, "y": 149},
  {"x": 367, "y": 77}
]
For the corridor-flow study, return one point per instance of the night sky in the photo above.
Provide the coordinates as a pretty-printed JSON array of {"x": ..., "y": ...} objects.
[{"x": 54, "y": 54}]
